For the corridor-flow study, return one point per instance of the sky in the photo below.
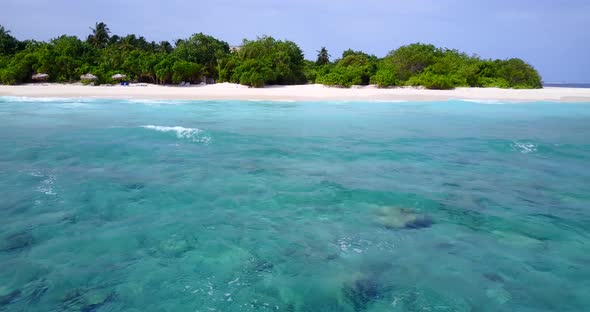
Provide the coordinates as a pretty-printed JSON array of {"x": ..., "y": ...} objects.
[{"x": 552, "y": 35}]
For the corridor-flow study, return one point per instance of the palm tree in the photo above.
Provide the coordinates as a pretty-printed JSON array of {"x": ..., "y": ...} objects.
[
  {"x": 165, "y": 47},
  {"x": 8, "y": 44},
  {"x": 128, "y": 42},
  {"x": 100, "y": 35},
  {"x": 323, "y": 57},
  {"x": 4, "y": 31}
]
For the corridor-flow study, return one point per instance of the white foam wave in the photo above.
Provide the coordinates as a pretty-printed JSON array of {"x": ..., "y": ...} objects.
[
  {"x": 271, "y": 101},
  {"x": 72, "y": 105},
  {"x": 192, "y": 134},
  {"x": 390, "y": 101},
  {"x": 524, "y": 147},
  {"x": 490, "y": 101},
  {"x": 156, "y": 102},
  {"x": 42, "y": 99}
]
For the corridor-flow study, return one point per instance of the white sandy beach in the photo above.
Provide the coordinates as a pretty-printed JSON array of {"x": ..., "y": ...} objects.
[{"x": 300, "y": 92}]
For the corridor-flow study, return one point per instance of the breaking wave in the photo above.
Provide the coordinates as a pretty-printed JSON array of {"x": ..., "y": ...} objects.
[{"x": 191, "y": 134}]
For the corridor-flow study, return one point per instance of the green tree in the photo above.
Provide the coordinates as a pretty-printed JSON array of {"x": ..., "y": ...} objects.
[
  {"x": 100, "y": 35},
  {"x": 204, "y": 50},
  {"x": 63, "y": 57},
  {"x": 323, "y": 57},
  {"x": 164, "y": 70},
  {"x": 413, "y": 59},
  {"x": 8, "y": 44},
  {"x": 165, "y": 47},
  {"x": 269, "y": 61},
  {"x": 354, "y": 68},
  {"x": 186, "y": 71},
  {"x": 519, "y": 74}
]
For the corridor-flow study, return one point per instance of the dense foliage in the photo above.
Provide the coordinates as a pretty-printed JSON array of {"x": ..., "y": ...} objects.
[
  {"x": 260, "y": 62},
  {"x": 427, "y": 66}
]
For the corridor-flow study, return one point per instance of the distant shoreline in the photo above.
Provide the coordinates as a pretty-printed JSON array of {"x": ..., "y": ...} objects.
[
  {"x": 228, "y": 91},
  {"x": 567, "y": 85}
]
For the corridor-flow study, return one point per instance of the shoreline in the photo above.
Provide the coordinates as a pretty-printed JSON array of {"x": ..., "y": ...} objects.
[{"x": 228, "y": 91}]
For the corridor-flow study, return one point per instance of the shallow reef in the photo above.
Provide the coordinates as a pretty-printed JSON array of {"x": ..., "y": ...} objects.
[{"x": 401, "y": 218}]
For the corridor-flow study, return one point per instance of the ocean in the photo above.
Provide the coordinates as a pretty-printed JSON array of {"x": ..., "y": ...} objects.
[
  {"x": 567, "y": 85},
  {"x": 144, "y": 205}
]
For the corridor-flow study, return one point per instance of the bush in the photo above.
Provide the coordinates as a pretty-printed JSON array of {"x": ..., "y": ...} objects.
[
  {"x": 275, "y": 61},
  {"x": 186, "y": 71},
  {"x": 355, "y": 68},
  {"x": 412, "y": 59},
  {"x": 432, "y": 81},
  {"x": 488, "y": 82},
  {"x": 519, "y": 74},
  {"x": 385, "y": 78}
]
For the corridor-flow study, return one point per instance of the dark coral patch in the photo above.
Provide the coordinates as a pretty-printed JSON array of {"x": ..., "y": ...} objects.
[{"x": 361, "y": 292}]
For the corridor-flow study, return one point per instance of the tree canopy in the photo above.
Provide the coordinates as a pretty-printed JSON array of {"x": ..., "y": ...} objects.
[
  {"x": 323, "y": 57},
  {"x": 100, "y": 35},
  {"x": 256, "y": 63}
]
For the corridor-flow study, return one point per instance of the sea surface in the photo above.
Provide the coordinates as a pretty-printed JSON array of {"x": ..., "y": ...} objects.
[
  {"x": 568, "y": 85},
  {"x": 139, "y": 205}
]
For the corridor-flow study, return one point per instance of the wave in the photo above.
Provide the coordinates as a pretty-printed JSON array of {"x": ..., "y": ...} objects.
[
  {"x": 30, "y": 99},
  {"x": 490, "y": 101},
  {"x": 524, "y": 147},
  {"x": 82, "y": 100},
  {"x": 269, "y": 100},
  {"x": 157, "y": 102},
  {"x": 191, "y": 134},
  {"x": 390, "y": 101}
]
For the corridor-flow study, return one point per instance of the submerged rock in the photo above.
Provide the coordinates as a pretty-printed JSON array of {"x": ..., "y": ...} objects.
[
  {"x": 263, "y": 266},
  {"x": 134, "y": 186},
  {"x": 494, "y": 277},
  {"x": 361, "y": 292},
  {"x": 17, "y": 241},
  {"x": 87, "y": 301},
  {"x": 7, "y": 296},
  {"x": 402, "y": 218},
  {"x": 175, "y": 246},
  {"x": 498, "y": 294}
]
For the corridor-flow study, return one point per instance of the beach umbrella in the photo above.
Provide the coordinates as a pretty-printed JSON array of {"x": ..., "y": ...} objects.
[
  {"x": 40, "y": 77},
  {"x": 88, "y": 77},
  {"x": 118, "y": 76}
]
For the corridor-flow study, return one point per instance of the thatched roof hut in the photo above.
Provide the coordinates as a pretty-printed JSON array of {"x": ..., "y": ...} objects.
[
  {"x": 88, "y": 77},
  {"x": 40, "y": 77},
  {"x": 118, "y": 77}
]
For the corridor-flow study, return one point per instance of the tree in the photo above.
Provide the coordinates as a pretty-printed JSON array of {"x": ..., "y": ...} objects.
[
  {"x": 8, "y": 44},
  {"x": 63, "y": 57},
  {"x": 268, "y": 61},
  {"x": 165, "y": 47},
  {"x": 204, "y": 50},
  {"x": 519, "y": 74},
  {"x": 413, "y": 59},
  {"x": 100, "y": 35},
  {"x": 186, "y": 71},
  {"x": 323, "y": 57},
  {"x": 354, "y": 68}
]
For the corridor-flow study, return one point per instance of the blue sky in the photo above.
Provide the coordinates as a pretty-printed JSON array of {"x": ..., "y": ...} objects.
[{"x": 552, "y": 35}]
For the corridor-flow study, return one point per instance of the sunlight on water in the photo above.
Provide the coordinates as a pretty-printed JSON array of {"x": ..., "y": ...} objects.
[{"x": 293, "y": 206}]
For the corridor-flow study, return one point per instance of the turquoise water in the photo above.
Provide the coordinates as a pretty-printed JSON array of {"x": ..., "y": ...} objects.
[{"x": 286, "y": 206}]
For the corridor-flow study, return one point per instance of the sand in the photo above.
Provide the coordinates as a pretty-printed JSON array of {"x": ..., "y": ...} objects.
[{"x": 229, "y": 91}]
